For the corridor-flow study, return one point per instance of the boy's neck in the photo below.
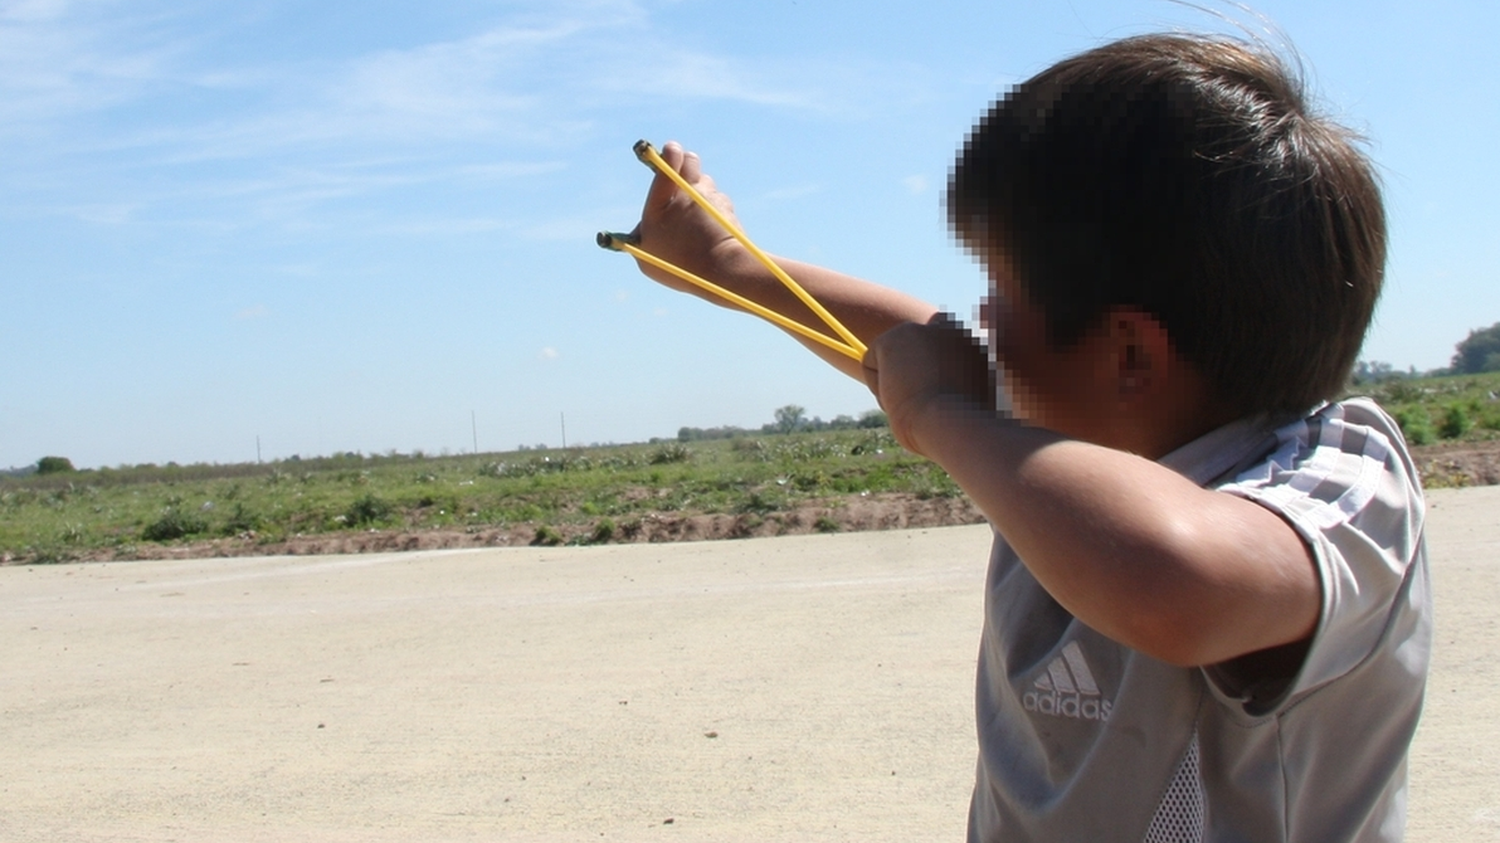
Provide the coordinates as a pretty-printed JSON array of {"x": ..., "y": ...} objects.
[
  {"x": 1171, "y": 434},
  {"x": 1175, "y": 412}
]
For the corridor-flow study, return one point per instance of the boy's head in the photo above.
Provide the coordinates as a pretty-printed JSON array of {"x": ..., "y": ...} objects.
[{"x": 1184, "y": 177}]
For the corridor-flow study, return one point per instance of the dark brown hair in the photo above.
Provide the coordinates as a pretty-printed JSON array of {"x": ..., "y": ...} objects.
[{"x": 1186, "y": 176}]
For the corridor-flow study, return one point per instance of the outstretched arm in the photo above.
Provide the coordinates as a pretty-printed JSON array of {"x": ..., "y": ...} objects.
[{"x": 675, "y": 229}]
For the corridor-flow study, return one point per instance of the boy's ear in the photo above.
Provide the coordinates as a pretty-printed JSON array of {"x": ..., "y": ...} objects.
[
  {"x": 1160, "y": 400},
  {"x": 1141, "y": 351}
]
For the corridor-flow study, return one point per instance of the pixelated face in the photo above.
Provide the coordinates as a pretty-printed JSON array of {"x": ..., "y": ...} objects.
[{"x": 1061, "y": 389}]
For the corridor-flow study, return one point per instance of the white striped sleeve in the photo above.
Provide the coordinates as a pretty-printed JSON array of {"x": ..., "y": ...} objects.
[{"x": 1344, "y": 481}]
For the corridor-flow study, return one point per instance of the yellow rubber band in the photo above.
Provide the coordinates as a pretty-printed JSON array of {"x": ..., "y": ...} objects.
[
  {"x": 620, "y": 244},
  {"x": 647, "y": 153}
]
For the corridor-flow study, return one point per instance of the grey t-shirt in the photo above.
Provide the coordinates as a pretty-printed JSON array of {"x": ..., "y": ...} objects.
[{"x": 1084, "y": 739}]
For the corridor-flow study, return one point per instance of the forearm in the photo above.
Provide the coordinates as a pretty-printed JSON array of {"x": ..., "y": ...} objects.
[
  {"x": 865, "y": 308},
  {"x": 1130, "y": 547}
]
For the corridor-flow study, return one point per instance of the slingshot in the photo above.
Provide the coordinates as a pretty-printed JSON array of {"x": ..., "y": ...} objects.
[{"x": 847, "y": 344}]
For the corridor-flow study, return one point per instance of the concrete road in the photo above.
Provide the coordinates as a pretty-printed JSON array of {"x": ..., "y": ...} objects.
[{"x": 809, "y": 688}]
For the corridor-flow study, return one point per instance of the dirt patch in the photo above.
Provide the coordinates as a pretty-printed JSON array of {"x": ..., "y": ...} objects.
[
  {"x": 1458, "y": 464},
  {"x": 852, "y": 514}
]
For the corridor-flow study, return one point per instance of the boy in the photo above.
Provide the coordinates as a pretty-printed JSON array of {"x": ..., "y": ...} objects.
[{"x": 1207, "y": 614}]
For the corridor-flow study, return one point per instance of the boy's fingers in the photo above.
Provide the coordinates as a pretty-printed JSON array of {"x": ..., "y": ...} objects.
[
  {"x": 692, "y": 167},
  {"x": 687, "y": 164},
  {"x": 662, "y": 189},
  {"x": 672, "y": 154},
  {"x": 661, "y": 194}
]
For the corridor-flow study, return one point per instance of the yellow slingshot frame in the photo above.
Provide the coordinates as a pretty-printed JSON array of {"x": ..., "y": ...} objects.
[{"x": 847, "y": 344}]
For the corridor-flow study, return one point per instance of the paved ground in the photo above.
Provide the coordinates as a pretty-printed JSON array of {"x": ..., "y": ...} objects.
[{"x": 813, "y": 688}]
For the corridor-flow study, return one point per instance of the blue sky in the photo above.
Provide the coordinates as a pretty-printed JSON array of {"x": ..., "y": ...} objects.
[{"x": 348, "y": 226}]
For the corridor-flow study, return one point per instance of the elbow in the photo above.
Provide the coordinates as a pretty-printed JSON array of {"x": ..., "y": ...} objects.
[
  {"x": 1165, "y": 616},
  {"x": 1186, "y": 612},
  {"x": 1186, "y": 654},
  {"x": 1197, "y": 596},
  {"x": 1177, "y": 621},
  {"x": 1207, "y": 633},
  {"x": 1174, "y": 640}
]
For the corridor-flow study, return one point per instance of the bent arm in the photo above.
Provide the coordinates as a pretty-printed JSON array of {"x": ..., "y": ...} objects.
[{"x": 1130, "y": 547}]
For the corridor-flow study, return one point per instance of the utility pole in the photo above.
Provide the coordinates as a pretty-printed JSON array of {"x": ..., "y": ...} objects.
[
  {"x": 564, "y": 420},
  {"x": 257, "y": 449},
  {"x": 474, "y": 428}
]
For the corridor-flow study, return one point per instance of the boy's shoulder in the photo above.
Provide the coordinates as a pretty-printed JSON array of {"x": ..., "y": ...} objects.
[
  {"x": 1341, "y": 464},
  {"x": 1351, "y": 447},
  {"x": 1342, "y": 477}
]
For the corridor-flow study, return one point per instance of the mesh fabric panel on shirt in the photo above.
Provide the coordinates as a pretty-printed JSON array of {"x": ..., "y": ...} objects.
[{"x": 1179, "y": 817}]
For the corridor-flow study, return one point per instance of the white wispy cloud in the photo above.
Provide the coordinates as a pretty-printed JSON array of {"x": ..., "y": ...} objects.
[
  {"x": 31, "y": 10},
  {"x": 107, "y": 82},
  {"x": 523, "y": 79},
  {"x": 52, "y": 66}
]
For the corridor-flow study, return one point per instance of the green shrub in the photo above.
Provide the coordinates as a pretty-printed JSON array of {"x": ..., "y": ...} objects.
[
  {"x": 670, "y": 453},
  {"x": 172, "y": 525},
  {"x": 1398, "y": 392},
  {"x": 824, "y": 524},
  {"x": 1456, "y": 422},
  {"x": 873, "y": 444},
  {"x": 54, "y": 465},
  {"x": 806, "y": 449},
  {"x": 547, "y": 537},
  {"x": 604, "y": 531},
  {"x": 368, "y": 509},
  {"x": 763, "y": 502},
  {"x": 242, "y": 520},
  {"x": 1416, "y": 426},
  {"x": 750, "y": 450}
]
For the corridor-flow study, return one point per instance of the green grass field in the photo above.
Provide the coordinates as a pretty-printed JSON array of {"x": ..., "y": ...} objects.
[
  {"x": 1453, "y": 407},
  {"x": 579, "y": 495},
  {"x": 594, "y": 494}
]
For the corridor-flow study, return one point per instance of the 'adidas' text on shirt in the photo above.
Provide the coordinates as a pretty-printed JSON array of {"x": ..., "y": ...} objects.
[{"x": 1068, "y": 689}]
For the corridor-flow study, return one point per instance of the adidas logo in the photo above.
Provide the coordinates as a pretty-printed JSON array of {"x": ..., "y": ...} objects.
[{"x": 1068, "y": 689}]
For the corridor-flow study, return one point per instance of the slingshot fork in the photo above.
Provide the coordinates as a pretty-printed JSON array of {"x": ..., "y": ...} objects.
[{"x": 847, "y": 344}]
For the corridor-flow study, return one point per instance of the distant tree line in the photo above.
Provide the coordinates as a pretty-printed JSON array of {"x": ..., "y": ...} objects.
[
  {"x": 45, "y": 465},
  {"x": 1367, "y": 372},
  {"x": 788, "y": 419},
  {"x": 1479, "y": 352},
  {"x": 1475, "y": 354}
]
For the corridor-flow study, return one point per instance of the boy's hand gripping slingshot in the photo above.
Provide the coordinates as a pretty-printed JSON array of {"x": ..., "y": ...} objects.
[{"x": 848, "y": 344}]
